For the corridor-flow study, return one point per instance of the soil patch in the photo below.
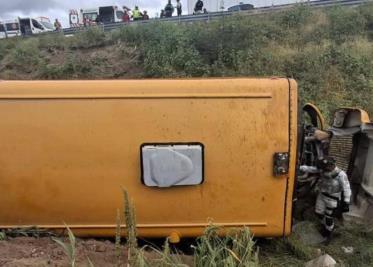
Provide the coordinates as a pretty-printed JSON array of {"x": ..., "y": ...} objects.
[{"x": 27, "y": 251}]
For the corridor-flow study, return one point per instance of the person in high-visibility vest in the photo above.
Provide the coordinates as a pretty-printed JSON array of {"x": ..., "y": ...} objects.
[{"x": 136, "y": 14}]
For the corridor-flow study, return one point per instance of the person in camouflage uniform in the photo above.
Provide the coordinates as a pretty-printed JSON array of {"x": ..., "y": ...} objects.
[{"x": 334, "y": 190}]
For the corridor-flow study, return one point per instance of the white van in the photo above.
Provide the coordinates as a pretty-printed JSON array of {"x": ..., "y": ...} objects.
[
  {"x": 25, "y": 26},
  {"x": 46, "y": 23},
  {"x": 29, "y": 26},
  {"x": 110, "y": 14},
  {"x": 90, "y": 16}
]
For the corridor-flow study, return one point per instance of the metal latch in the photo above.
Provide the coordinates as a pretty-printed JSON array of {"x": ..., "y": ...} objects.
[{"x": 280, "y": 163}]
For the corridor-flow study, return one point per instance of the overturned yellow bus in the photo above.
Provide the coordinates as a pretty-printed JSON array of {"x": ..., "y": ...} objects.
[{"x": 188, "y": 152}]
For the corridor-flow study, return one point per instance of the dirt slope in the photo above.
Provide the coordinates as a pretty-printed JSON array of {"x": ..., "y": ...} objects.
[{"x": 27, "y": 251}]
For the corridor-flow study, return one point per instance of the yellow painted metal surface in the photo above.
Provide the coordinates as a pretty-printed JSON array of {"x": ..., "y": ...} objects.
[
  {"x": 68, "y": 147},
  {"x": 364, "y": 116},
  {"x": 309, "y": 107}
]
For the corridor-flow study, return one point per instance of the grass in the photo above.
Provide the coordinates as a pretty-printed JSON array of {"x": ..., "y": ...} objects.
[
  {"x": 70, "y": 247},
  {"x": 219, "y": 247},
  {"x": 118, "y": 237},
  {"x": 360, "y": 237},
  {"x": 292, "y": 251},
  {"x": 237, "y": 248},
  {"x": 134, "y": 254},
  {"x": 2, "y": 236},
  {"x": 137, "y": 256},
  {"x": 32, "y": 231}
]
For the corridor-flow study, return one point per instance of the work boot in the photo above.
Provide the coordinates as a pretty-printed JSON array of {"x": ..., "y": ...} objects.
[{"x": 327, "y": 234}]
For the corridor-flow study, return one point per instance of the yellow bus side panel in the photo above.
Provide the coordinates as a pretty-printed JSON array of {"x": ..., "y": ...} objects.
[{"x": 69, "y": 147}]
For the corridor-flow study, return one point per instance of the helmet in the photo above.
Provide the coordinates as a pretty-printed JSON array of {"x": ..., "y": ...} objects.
[{"x": 326, "y": 163}]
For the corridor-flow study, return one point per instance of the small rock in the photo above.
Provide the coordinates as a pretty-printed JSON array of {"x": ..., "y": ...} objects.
[
  {"x": 318, "y": 252},
  {"x": 348, "y": 250},
  {"x": 322, "y": 261},
  {"x": 33, "y": 253}
]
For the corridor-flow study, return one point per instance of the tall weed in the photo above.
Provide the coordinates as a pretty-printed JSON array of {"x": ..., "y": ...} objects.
[
  {"x": 69, "y": 248},
  {"x": 237, "y": 248}
]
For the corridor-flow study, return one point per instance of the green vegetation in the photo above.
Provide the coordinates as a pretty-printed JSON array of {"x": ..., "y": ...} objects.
[
  {"x": 70, "y": 247},
  {"x": 2, "y": 236},
  {"x": 329, "y": 52},
  {"x": 32, "y": 231},
  {"x": 118, "y": 239},
  {"x": 236, "y": 249},
  {"x": 292, "y": 251},
  {"x": 360, "y": 237}
]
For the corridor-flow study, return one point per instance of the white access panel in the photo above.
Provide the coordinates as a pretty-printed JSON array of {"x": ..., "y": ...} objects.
[{"x": 166, "y": 165}]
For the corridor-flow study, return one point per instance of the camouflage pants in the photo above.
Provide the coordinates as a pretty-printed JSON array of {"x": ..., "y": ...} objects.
[{"x": 325, "y": 207}]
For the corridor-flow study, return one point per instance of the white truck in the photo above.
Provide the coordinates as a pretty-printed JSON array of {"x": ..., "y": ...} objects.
[
  {"x": 25, "y": 26},
  {"x": 92, "y": 16}
]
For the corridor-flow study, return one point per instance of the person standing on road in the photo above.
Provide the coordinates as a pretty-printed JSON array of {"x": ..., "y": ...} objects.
[
  {"x": 126, "y": 17},
  {"x": 162, "y": 14},
  {"x": 136, "y": 14},
  {"x": 98, "y": 20},
  {"x": 334, "y": 192},
  {"x": 57, "y": 25},
  {"x": 169, "y": 9},
  {"x": 23, "y": 30},
  {"x": 145, "y": 16},
  {"x": 86, "y": 21},
  {"x": 178, "y": 8},
  {"x": 198, "y": 7}
]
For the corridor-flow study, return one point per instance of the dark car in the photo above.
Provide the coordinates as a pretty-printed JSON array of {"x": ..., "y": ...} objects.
[{"x": 241, "y": 7}]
